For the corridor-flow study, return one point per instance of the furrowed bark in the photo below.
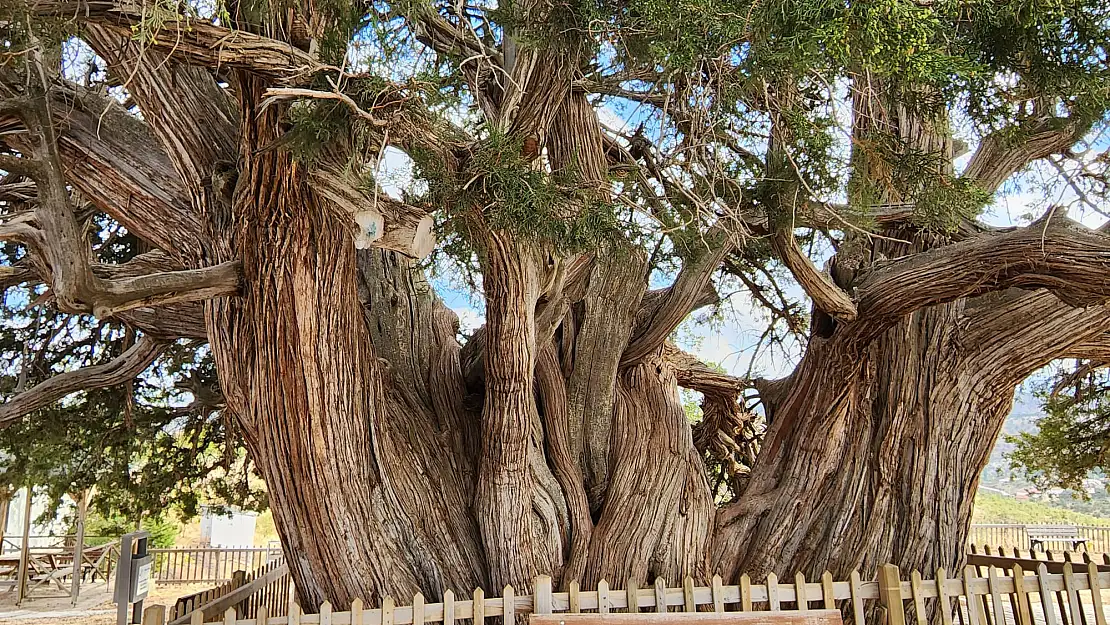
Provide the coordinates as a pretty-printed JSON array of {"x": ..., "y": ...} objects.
[
  {"x": 615, "y": 289},
  {"x": 323, "y": 425},
  {"x": 658, "y": 513},
  {"x": 187, "y": 111},
  {"x": 515, "y": 539},
  {"x": 114, "y": 160},
  {"x": 198, "y": 42},
  {"x": 555, "y": 441},
  {"x": 877, "y": 438}
]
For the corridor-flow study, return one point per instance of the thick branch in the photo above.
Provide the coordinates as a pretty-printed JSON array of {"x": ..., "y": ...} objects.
[
  {"x": 122, "y": 369},
  {"x": 381, "y": 221},
  {"x": 1054, "y": 253},
  {"x": 998, "y": 157},
  {"x": 63, "y": 247},
  {"x": 114, "y": 160},
  {"x": 654, "y": 324},
  {"x": 697, "y": 376},
  {"x": 197, "y": 42},
  {"x": 168, "y": 287},
  {"x": 185, "y": 108},
  {"x": 818, "y": 285},
  {"x": 1010, "y": 337},
  {"x": 1096, "y": 348}
]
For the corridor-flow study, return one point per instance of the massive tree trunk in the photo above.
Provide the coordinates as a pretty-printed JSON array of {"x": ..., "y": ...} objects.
[
  {"x": 877, "y": 439},
  {"x": 369, "y": 482}
]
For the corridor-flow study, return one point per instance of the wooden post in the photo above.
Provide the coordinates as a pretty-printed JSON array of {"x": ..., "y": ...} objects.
[
  {"x": 479, "y": 609},
  {"x": 1046, "y": 595},
  {"x": 5, "y": 503},
  {"x": 799, "y": 592},
  {"x": 1072, "y": 591},
  {"x": 79, "y": 545},
  {"x": 974, "y": 606},
  {"x": 856, "y": 587},
  {"x": 996, "y": 597},
  {"x": 24, "y": 548},
  {"x": 508, "y": 606},
  {"x": 746, "y": 593},
  {"x": 918, "y": 593},
  {"x": 719, "y": 594},
  {"x": 448, "y": 607},
  {"x": 772, "y": 583},
  {"x": 357, "y": 617},
  {"x": 154, "y": 615},
  {"x": 1096, "y": 593},
  {"x": 1023, "y": 615},
  {"x": 944, "y": 605},
  {"x": 543, "y": 594},
  {"x": 632, "y": 596},
  {"x": 890, "y": 594},
  {"x": 417, "y": 610},
  {"x": 857, "y": 600},
  {"x": 827, "y": 591}
]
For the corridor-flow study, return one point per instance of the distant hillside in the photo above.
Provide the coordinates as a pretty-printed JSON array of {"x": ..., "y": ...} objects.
[
  {"x": 1006, "y": 497},
  {"x": 993, "y": 508}
]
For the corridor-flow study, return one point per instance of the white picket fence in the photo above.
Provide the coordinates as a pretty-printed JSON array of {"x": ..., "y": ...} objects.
[{"x": 1001, "y": 596}]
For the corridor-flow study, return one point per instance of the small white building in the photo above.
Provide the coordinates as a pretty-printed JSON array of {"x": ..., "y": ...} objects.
[
  {"x": 41, "y": 535},
  {"x": 234, "y": 529}
]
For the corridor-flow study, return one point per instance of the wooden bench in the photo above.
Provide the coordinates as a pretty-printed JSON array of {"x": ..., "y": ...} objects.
[
  {"x": 785, "y": 617},
  {"x": 1041, "y": 534}
]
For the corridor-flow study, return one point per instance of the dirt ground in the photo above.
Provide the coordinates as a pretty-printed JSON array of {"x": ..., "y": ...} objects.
[{"x": 94, "y": 607}]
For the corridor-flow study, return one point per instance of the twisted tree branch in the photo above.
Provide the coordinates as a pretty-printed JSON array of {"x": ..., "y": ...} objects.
[
  {"x": 1053, "y": 253},
  {"x": 197, "y": 42},
  {"x": 826, "y": 295},
  {"x": 123, "y": 368},
  {"x": 660, "y": 316}
]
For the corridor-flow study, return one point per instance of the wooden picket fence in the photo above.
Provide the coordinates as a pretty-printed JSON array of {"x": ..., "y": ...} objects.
[
  {"x": 208, "y": 565},
  {"x": 1026, "y": 557},
  {"x": 269, "y": 589},
  {"x": 1000, "y": 597}
]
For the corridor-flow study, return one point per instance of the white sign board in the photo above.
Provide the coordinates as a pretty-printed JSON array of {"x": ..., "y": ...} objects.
[{"x": 140, "y": 587}]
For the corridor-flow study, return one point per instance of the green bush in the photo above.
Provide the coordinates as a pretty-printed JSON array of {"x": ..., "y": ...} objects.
[{"x": 163, "y": 532}]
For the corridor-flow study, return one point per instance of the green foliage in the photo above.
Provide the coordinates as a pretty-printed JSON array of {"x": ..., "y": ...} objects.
[
  {"x": 1072, "y": 439},
  {"x": 887, "y": 167},
  {"x": 942, "y": 201},
  {"x": 509, "y": 194},
  {"x": 163, "y": 532}
]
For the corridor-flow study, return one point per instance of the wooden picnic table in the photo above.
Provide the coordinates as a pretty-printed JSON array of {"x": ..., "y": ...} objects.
[{"x": 43, "y": 566}]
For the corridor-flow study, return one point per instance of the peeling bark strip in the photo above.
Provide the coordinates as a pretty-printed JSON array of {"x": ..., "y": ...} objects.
[{"x": 554, "y": 441}]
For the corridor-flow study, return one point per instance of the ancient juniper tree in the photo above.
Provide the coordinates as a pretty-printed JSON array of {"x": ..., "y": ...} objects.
[{"x": 568, "y": 157}]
